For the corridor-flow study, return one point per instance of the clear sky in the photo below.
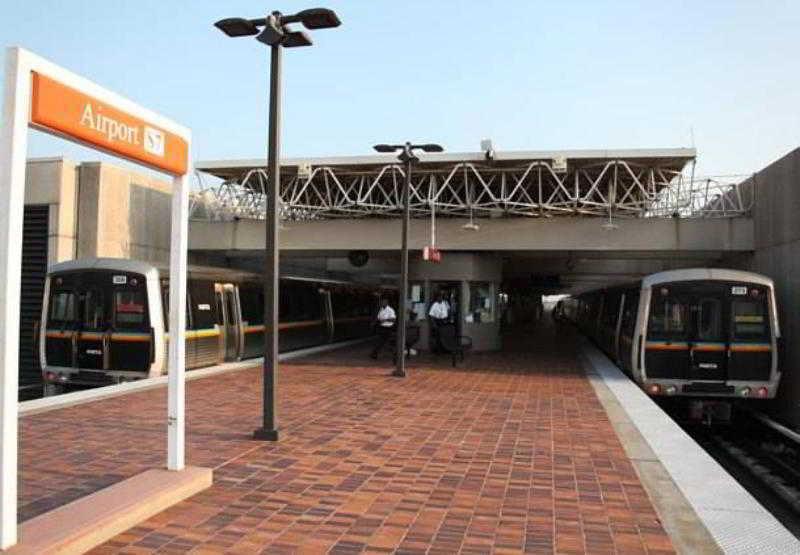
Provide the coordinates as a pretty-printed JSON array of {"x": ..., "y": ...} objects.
[{"x": 531, "y": 75}]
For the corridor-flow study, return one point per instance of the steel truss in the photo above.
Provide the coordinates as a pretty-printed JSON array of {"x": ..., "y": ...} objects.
[{"x": 612, "y": 188}]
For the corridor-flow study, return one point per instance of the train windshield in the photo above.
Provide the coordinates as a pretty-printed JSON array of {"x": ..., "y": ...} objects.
[
  {"x": 94, "y": 301},
  {"x": 669, "y": 316},
  {"x": 78, "y": 306},
  {"x": 62, "y": 307},
  {"x": 711, "y": 312}
]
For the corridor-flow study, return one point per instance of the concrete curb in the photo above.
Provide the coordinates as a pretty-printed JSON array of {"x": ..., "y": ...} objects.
[{"x": 45, "y": 404}]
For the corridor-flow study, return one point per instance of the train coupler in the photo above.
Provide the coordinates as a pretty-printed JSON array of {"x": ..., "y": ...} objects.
[{"x": 710, "y": 412}]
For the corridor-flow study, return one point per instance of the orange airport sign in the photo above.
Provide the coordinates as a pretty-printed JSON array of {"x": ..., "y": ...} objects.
[{"x": 63, "y": 110}]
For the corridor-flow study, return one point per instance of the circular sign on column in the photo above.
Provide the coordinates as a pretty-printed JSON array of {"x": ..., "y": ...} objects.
[{"x": 358, "y": 258}]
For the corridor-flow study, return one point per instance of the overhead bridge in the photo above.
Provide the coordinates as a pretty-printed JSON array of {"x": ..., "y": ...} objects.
[
  {"x": 637, "y": 183},
  {"x": 665, "y": 235},
  {"x": 530, "y": 200},
  {"x": 588, "y": 216}
]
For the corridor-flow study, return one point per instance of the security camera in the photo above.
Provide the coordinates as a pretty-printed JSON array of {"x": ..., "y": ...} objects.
[{"x": 486, "y": 147}]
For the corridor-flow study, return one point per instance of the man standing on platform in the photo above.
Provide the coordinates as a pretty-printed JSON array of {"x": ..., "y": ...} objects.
[
  {"x": 386, "y": 320},
  {"x": 439, "y": 314}
]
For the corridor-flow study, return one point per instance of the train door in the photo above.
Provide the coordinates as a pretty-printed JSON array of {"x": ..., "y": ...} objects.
[
  {"x": 62, "y": 323},
  {"x": 132, "y": 339},
  {"x": 708, "y": 341},
  {"x": 228, "y": 309},
  {"x": 93, "y": 331},
  {"x": 667, "y": 347}
]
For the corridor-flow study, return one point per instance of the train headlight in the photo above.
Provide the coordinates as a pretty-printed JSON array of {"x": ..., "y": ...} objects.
[
  {"x": 654, "y": 389},
  {"x": 671, "y": 390},
  {"x": 744, "y": 392},
  {"x": 762, "y": 392}
]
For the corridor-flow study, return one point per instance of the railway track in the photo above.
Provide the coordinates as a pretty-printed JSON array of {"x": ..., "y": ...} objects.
[{"x": 762, "y": 455}]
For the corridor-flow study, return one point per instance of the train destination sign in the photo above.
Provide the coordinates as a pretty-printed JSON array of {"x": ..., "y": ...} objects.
[{"x": 60, "y": 109}]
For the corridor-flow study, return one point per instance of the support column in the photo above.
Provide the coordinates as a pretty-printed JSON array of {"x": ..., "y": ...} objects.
[
  {"x": 176, "y": 388},
  {"x": 13, "y": 149}
]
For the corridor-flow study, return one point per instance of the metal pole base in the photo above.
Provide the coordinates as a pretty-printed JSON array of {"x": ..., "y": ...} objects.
[
  {"x": 398, "y": 374},
  {"x": 265, "y": 434}
]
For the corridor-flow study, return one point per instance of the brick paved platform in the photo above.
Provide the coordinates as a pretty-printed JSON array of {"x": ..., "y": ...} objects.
[{"x": 510, "y": 452}]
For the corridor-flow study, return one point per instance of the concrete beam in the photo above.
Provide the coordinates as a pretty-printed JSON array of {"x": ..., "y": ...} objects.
[{"x": 502, "y": 234}]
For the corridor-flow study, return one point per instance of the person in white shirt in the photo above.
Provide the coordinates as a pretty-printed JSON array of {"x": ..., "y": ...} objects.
[
  {"x": 440, "y": 310},
  {"x": 439, "y": 313},
  {"x": 386, "y": 319}
]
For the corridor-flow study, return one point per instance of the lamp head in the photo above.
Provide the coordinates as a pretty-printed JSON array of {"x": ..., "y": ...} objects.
[
  {"x": 237, "y": 27},
  {"x": 318, "y": 18},
  {"x": 431, "y": 148},
  {"x": 296, "y": 38}
]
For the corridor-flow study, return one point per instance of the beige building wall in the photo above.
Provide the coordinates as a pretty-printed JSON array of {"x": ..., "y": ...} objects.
[
  {"x": 99, "y": 209},
  {"x": 123, "y": 214}
]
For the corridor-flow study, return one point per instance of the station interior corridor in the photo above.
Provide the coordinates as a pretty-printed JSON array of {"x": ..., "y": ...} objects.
[{"x": 508, "y": 452}]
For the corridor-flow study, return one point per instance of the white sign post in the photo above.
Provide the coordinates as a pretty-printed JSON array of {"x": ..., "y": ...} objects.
[{"x": 43, "y": 95}]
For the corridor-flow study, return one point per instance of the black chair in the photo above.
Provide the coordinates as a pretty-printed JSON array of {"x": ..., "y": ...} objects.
[{"x": 453, "y": 343}]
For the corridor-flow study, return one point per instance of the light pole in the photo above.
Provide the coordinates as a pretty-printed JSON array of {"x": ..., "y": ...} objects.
[
  {"x": 275, "y": 34},
  {"x": 406, "y": 155}
]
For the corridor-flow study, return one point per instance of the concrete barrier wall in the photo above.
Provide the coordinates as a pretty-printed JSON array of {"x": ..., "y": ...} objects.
[{"x": 775, "y": 192}]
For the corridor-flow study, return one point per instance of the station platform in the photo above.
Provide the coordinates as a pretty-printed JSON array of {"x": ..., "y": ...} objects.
[{"x": 509, "y": 452}]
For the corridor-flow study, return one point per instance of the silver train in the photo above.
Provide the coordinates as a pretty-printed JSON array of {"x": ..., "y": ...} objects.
[
  {"x": 707, "y": 334},
  {"x": 104, "y": 320}
]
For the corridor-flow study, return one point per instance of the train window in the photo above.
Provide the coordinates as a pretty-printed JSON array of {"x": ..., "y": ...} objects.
[
  {"x": 93, "y": 311},
  {"x": 749, "y": 319},
  {"x": 668, "y": 317},
  {"x": 629, "y": 314},
  {"x": 62, "y": 307},
  {"x": 305, "y": 302},
  {"x": 611, "y": 310},
  {"x": 252, "y": 305},
  {"x": 165, "y": 306},
  {"x": 285, "y": 302},
  {"x": 709, "y": 320},
  {"x": 130, "y": 309},
  {"x": 204, "y": 309}
]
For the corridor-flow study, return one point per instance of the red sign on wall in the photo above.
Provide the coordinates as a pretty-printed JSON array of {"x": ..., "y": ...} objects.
[{"x": 431, "y": 254}]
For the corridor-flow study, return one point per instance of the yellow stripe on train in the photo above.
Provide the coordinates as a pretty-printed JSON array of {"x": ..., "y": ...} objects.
[
  {"x": 755, "y": 348},
  {"x": 651, "y": 346}
]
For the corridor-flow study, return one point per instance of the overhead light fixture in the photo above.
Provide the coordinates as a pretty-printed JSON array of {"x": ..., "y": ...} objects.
[
  {"x": 237, "y": 27},
  {"x": 471, "y": 226},
  {"x": 609, "y": 225}
]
